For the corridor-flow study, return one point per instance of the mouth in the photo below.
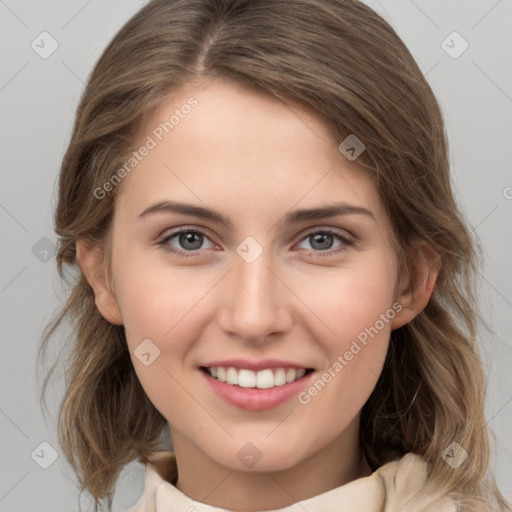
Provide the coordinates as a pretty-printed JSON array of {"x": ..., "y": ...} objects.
[{"x": 262, "y": 379}]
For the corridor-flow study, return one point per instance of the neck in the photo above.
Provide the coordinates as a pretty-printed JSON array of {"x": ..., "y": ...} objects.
[{"x": 202, "y": 479}]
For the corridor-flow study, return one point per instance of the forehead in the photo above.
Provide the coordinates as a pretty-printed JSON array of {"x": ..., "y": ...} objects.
[{"x": 228, "y": 146}]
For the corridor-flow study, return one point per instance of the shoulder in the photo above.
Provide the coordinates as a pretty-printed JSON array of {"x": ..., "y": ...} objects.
[
  {"x": 161, "y": 469},
  {"x": 404, "y": 481}
]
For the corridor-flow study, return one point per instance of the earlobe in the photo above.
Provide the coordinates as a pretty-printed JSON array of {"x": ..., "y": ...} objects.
[
  {"x": 90, "y": 260},
  {"x": 417, "y": 287}
]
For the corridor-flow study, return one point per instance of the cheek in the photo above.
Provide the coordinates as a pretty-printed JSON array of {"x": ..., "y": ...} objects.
[
  {"x": 162, "y": 305},
  {"x": 156, "y": 300},
  {"x": 351, "y": 300},
  {"x": 355, "y": 309}
]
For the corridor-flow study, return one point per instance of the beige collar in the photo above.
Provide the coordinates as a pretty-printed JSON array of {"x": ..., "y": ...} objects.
[{"x": 392, "y": 487}]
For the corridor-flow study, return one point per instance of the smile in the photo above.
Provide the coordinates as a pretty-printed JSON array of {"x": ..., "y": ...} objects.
[{"x": 262, "y": 379}]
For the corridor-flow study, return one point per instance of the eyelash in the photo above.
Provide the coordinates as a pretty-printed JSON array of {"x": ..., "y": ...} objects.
[{"x": 347, "y": 242}]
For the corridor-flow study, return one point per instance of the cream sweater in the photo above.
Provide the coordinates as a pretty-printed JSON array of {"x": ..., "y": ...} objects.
[{"x": 394, "y": 487}]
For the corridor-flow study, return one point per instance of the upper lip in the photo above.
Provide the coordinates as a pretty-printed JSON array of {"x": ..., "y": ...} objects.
[{"x": 263, "y": 364}]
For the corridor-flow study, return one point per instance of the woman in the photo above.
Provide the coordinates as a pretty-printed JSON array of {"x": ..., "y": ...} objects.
[{"x": 342, "y": 374}]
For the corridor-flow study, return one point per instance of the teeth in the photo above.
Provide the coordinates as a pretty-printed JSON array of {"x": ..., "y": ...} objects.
[
  {"x": 246, "y": 378},
  {"x": 232, "y": 376},
  {"x": 263, "y": 379},
  {"x": 280, "y": 377}
]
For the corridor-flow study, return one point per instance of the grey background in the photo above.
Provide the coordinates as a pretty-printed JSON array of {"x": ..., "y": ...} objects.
[{"x": 38, "y": 98}]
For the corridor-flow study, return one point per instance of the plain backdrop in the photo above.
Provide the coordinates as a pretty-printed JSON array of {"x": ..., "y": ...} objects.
[{"x": 471, "y": 75}]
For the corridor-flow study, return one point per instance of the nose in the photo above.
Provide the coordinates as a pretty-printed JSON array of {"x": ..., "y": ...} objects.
[{"x": 255, "y": 301}]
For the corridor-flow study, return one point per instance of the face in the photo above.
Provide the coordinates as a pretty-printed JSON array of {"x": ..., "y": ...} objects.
[{"x": 259, "y": 283}]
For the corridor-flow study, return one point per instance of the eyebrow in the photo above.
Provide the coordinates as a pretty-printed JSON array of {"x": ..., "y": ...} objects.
[{"x": 292, "y": 217}]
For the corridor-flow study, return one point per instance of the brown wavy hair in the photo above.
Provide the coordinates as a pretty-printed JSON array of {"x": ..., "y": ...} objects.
[{"x": 343, "y": 61}]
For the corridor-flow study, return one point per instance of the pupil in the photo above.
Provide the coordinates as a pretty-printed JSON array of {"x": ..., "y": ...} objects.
[
  {"x": 321, "y": 237},
  {"x": 188, "y": 238}
]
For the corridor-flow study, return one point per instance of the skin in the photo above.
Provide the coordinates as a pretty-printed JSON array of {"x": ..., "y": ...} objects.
[{"x": 254, "y": 159}]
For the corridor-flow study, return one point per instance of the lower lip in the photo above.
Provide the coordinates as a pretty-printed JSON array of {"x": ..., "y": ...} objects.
[{"x": 255, "y": 399}]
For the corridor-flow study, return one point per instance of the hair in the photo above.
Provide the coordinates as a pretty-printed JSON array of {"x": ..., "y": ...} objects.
[{"x": 341, "y": 60}]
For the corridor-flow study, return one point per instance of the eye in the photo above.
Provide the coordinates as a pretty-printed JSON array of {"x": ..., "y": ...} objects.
[
  {"x": 189, "y": 241},
  {"x": 321, "y": 242}
]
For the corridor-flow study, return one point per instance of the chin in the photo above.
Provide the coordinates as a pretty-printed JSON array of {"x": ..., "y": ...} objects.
[{"x": 250, "y": 458}]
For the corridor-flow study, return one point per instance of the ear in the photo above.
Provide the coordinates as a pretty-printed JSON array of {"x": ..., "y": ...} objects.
[
  {"x": 90, "y": 259},
  {"x": 417, "y": 285}
]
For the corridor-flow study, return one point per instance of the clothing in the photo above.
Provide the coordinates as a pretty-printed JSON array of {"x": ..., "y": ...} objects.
[{"x": 391, "y": 488}]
